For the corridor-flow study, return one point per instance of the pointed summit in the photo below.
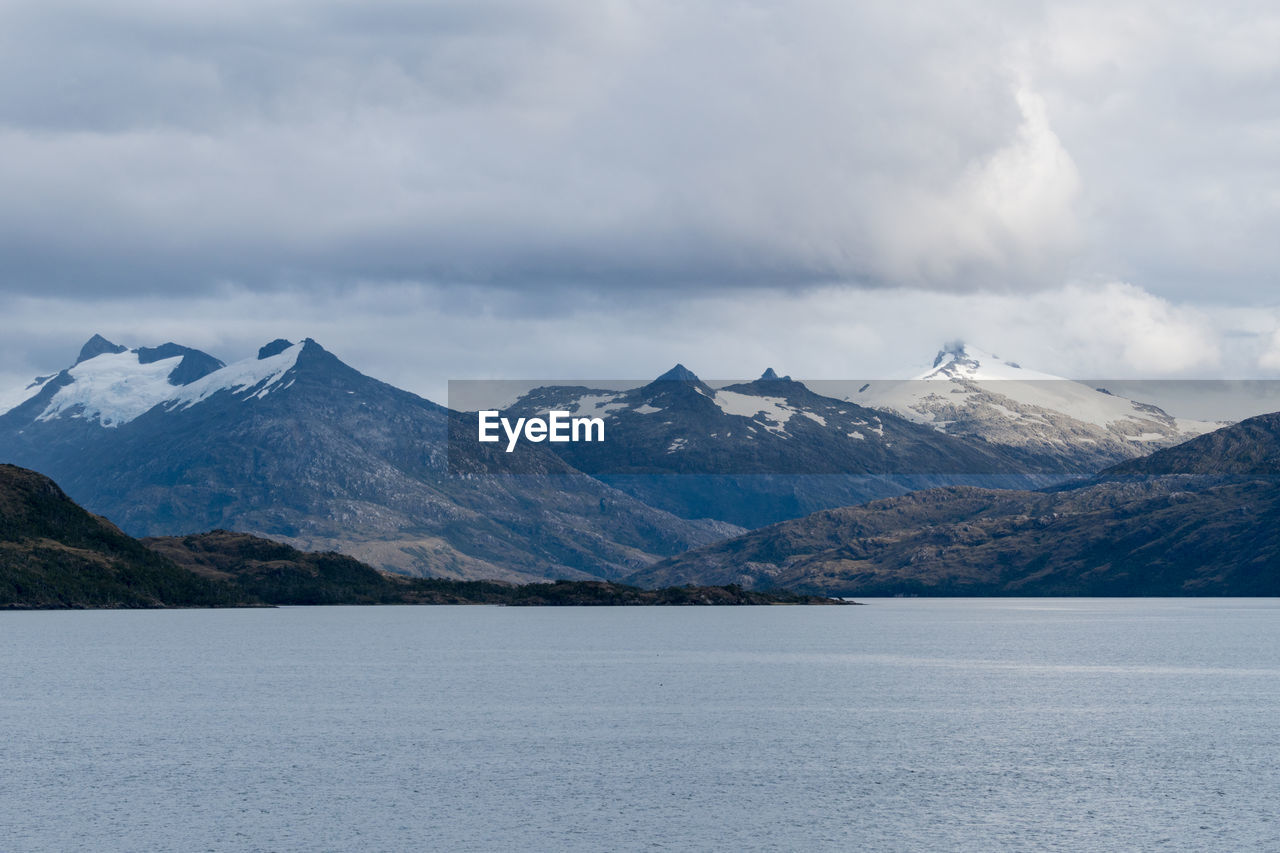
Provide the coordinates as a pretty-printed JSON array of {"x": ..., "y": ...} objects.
[
  {"x": 679, "y": 380},
  {"x": 95, "y": 346},
  {"x": 956, "y": 359},
  {"x": 770, "y": 375},
  {"x": 276, "y": 347},
  {"x": 951, "y": 351},
  {"x": 679, "y": 373}
]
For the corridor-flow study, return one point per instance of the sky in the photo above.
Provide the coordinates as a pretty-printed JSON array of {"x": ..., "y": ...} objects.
[{"x": 544, "y": 188}]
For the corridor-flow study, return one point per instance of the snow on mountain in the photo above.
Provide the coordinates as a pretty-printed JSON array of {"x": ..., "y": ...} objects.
[
  {"x": 772, "y": 411},
  {"x": 718, "y": 420},
  {"x": 764, "y": 401},
  {"x": 762, "y": 451},
  {"x": 110, "y": 385},
  {"x": 112, "y": 389},
  {"x": 597, "y": 405},
  {"x": 254, "y": 377},
  {"x": 297, "y": 445},
  {"x": 14, "y": 397},
  {"x": 972, "y": 392}
]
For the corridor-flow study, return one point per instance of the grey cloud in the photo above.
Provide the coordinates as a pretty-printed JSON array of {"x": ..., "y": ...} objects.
[
  {"x": 149, "y": 147},
  {"x": 509, "y": 143},
  {"x": 419, "y": 337}
]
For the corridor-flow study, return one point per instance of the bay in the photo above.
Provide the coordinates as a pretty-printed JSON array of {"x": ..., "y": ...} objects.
[{"x": 907, "y": 724}]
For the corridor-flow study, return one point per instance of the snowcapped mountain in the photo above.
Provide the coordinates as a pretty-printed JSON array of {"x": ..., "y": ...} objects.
[
  {"x": 969, "y": 392},
  {"x": 690, "y": 420},
  {"x": 757, "y": 452},
  {"x": 296, "y": 445},
  {"x": 110, "y": 385}
]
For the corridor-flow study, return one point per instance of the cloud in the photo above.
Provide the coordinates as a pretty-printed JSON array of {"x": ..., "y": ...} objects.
[
  {"x": 1270, "y": 358},
  {"x": 620, "y": 146},
  {"x": 1168, "y": 111},
  {"x": 152, "y": 147},
  {"x": 1009, "y": 216},
  {"x": 1120, "y": 325},
  {"x": 420, "y": 337}
]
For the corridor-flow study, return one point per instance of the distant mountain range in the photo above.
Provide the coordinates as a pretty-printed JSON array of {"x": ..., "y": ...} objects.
[
  {"x": 752, "y": 453},
  {"x": 55, "y": 555},
  {"x": 1196, "y": 519},
  {"x": 297, "y": 446}
]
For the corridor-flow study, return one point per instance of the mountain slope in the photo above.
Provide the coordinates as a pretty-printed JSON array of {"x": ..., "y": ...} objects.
[
  {"x": 969, "y": 392},
  {"x": 55, "y": 554},
  {"x": 1201, "y": 524},
  {"x": 1250, "y": 448},
  {"x": 755, "y": 452},
  {"x": 296, "y": 445}
]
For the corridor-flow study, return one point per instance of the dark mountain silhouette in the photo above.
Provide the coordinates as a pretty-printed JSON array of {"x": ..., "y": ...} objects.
[{"x": 1197, "y": 519}]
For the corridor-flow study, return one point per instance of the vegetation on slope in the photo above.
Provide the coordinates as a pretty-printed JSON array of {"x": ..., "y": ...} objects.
[{"x": 54, "y": 554}]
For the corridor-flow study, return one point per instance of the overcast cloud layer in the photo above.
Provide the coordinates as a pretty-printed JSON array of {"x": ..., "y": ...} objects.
[
  {"x": 418, "y": 337},
  {"x": 154, "y": 146},
  {"x": 533, "y": 165}
]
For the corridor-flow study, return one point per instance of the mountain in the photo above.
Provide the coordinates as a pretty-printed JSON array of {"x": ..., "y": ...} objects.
[
  {"x": 297, "y": 446},
  {"x": 1249, "y": 449},
  {"x": 1197, "y": 519},
  {"x": 753, "y": 453},
  {"x": 55, "y": 554},
  {"x": 109, "y": 384},
  {"x": 969, "y": 392}
]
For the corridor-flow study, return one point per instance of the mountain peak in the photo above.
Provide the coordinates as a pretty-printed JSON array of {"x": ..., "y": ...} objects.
[
  {"x": 194, "y": 365},
  {"x": 276, "y": 347},
  {"x": 770, "y": 375},
  {"x": 679, "y": 373},
  {"x": 95, "y": 346},
  {"x": 952, "y": 352},
  {"x": 958, "y": 360}
]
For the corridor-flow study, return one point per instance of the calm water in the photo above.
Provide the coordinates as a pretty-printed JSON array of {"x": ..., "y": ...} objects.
[{"x": 903, "y": 725}]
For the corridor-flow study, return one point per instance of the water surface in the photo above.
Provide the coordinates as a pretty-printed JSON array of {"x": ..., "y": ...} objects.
[{"x": 907, "y": 724}]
